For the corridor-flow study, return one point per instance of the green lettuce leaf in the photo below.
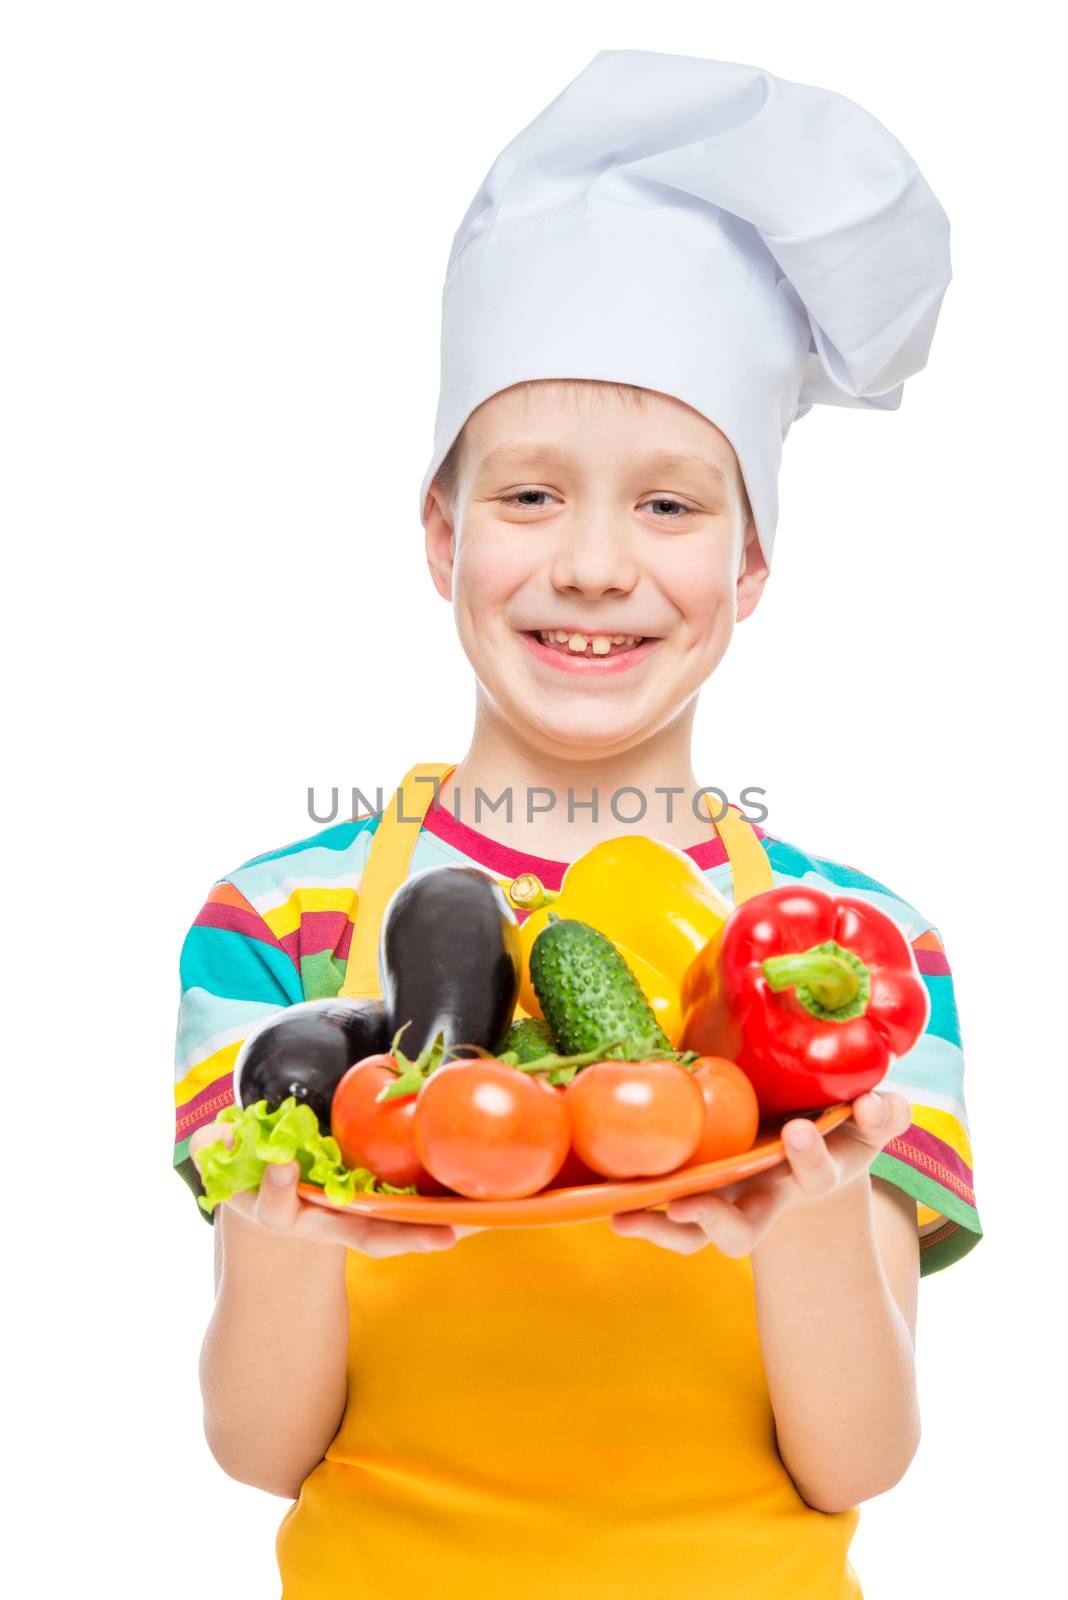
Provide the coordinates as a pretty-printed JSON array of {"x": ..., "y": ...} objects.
[{"x": 290, "y": 1133}]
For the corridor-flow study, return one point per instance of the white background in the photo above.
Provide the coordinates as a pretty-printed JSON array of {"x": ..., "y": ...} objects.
[{"x": 227, "y": 227}]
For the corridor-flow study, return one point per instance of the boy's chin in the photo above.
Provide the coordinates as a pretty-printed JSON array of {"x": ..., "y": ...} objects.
[{"x": 585, "y": 736}]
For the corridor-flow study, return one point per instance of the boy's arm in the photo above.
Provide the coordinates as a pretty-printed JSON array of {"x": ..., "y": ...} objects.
[
  {"x": 272, "y": 1365},
  {"x": 274, "y": 1357},
  {"x": 835, "y": 1267},
  {"x": 836, "y": 1288}
]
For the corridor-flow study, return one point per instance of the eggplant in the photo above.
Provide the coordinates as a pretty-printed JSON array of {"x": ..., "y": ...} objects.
[
  {"x": 449, "y": 958},
  {"x": 306, "y": 1051}
]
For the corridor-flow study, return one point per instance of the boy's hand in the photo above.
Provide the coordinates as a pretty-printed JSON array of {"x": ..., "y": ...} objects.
[
  {"x": 277, "y": 1206},
  {"x": 736, "y": 1218}
]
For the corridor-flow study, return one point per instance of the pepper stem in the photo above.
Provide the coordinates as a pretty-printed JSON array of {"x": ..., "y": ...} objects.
[
  {"x": 831, "y": 982},
  {"x": 529, "y": 893}
]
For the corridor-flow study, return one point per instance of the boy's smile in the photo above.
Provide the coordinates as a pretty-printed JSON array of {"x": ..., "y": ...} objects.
[
  {"x": 569, "y": 649},
  {"x": 597, "y": 550}
]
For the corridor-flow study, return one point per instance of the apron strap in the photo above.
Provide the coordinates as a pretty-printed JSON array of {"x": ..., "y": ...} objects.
[
  {"x": 394, "y": 841},
  {"x": 387, "y": 867},
  {"x": 750, "y": 868}
]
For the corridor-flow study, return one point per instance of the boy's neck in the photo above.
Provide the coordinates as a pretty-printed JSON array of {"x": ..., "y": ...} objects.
[{"x": 499, "y": 759}]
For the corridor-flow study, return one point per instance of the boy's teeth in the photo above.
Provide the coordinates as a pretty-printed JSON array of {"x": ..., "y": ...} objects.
[{"x": 599, "y": 644}]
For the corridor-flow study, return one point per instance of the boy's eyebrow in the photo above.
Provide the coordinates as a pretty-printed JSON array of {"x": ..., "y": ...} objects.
[
  {"x": 679, "y": 460},
  {"x": 505, "y": 455}
]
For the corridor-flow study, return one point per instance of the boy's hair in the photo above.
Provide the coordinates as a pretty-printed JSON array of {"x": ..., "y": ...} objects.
[{"x": 447, "y": 477}]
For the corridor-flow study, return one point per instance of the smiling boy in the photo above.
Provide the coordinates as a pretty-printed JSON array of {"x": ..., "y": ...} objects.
[
  {"x": 600, "y": 512},
  {"x": 668, "y": 1403}
]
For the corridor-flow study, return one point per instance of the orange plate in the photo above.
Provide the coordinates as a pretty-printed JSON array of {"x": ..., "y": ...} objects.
[{"x": 588, "y": 1203}]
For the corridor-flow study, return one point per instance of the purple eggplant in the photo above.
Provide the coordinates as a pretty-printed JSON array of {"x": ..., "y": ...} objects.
[
  {"x": 449, "y": 958},
  {"x": 306, "y": 1050}
]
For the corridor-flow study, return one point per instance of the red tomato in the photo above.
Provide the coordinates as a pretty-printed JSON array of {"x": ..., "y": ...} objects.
[
  {"x": 732, "y": 1113},
  {"x": 488, "y": 1131},
  {"x": 635, "y": 1119},
  {"x": 574, "y": 1172},
  {"x": 378, "y": 1136}
]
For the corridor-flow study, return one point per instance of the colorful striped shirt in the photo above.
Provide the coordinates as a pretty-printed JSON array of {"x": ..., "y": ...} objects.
[{"x": 277, "y": 931}]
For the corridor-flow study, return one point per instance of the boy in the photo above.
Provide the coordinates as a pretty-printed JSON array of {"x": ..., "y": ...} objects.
[{"x": 566, "y": 1410}]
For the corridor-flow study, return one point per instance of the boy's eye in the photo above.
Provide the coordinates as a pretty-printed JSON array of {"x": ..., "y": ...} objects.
[
  {"x": 529, "y": 497},
  {"x": 662, "y": 500},
  {"x": 521, "y": 498}
]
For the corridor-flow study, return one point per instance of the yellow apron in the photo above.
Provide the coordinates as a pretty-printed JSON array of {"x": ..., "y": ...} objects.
[{"x": 553, "y": 1413}]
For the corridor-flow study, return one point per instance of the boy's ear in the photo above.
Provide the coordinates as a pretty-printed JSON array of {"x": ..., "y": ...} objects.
[
  {"x": 752, "y": 573},
  {"x": 440, "y": 541}
]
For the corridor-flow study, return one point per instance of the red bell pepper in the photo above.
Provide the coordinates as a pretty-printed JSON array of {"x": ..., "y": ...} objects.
[{"x": 812, "y": 995}]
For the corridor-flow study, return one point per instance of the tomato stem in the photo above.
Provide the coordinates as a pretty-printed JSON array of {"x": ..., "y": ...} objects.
[
  {"x": 411, "y": 1075},
  {"x": 550, "y": 1060}
]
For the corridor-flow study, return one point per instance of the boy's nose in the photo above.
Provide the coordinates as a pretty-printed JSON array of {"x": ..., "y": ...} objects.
[{"x": 594, "y": 560}]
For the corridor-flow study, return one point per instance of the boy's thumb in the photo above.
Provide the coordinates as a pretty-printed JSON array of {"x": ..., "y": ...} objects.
[{"x": 277, "y": 1202}]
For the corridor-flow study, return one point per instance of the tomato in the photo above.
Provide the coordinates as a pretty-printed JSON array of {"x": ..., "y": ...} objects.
[
  {"x": 635, "y": 1119},
  {"x": 489, "y": 1131},
  {"x": 732, "y": 1113},
  {"x": 574, "y": 1173},
  {"x": 378, "y": 1136}
]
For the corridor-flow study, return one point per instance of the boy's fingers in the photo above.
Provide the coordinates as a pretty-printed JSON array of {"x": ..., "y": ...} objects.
[
  {"x": 877, "y": 1118},
  {"x": 398, "y": 1238},
  {"x": 734, "y": 1226},
  {"x": 373, "y": 1236},
  {"x": 811, "y": 1162},
  {"x": 211, "y": 1133},
  {"x": 725, "y": 1223},
  {"x": 684, "y": 1239}
]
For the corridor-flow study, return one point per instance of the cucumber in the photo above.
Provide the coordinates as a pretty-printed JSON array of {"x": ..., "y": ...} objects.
[
  {"x": 589, "y": 995},
  {"x": 529, "y": 1037}
]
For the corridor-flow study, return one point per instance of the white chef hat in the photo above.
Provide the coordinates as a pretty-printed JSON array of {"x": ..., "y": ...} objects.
[{"x": 748, "y": 245}]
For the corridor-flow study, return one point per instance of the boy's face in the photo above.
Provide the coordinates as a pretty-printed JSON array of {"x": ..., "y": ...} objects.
[{"x": 566, "y": 523}]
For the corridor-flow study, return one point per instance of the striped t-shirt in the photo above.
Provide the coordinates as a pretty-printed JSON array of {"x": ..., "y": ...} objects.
[{"x": 277, "y": 931}]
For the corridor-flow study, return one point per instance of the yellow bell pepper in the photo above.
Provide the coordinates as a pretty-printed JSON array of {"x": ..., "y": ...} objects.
[{"x": 650, "y": 899}]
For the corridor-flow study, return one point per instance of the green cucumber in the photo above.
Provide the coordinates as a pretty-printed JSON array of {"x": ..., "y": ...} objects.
[
  {"x": 589, "y": 995},
  {"x": 530, "y": 1038}
]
